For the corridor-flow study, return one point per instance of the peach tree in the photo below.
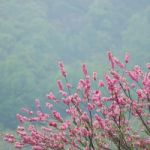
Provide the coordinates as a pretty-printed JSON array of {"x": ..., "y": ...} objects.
[{"x": 114, "y": 114}]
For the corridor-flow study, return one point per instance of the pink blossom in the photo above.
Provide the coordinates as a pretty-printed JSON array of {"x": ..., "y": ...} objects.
[
  {"x": 111, "y": 59},
  {"x": 87, "y": 148},
  {"x": 140, "y": 94},
  {"x": 116, "y": 110},
  {"x": 132, "y": 85},
  {"x": 81, "y": 84},
  {"x": 27, "y": 111},
  {"x": 84, "y": 132},
  {"x": 126, "y": 58},
  {"x": 133, "y": 75},
  {"x": 53, "y": 124},
  {"x": 121, "y": 65},
  {"x": 18, "y": 145},
  {"x": 49, "y": 106},
  {"x": 68, "y": 85},
  {"x": 65, "y": 125},
  {"x": 101, "y": 83},
  {"x": 10, "y": 138},
  {"x": 59, "y": 84},
  {"x": 22, "y": 119},
  {"x": 63, "y": 93},
  {"x": 115, "y": 75},
  {"x": 57, "y": 116},
  {"x": 51, "y": 96},
  {"x": 37, "y": 103},
  {"x": 37, "y": 148},
  {"x": 87, "y": 87},
  {"x": 84, "y": 70},
  {"x": 100, "y": 121},
  {"x": 84, "y": 116},
  {"x": 96, "y": 96},
  {"x": 148, "y": 66},
  {"x": 62, "y": 69},
  {"x": 67, "y": 100},
  {"x": 72, "y": 112},
  {"x": 94, "y": 76},
  {"x": 90, "y": 106}
]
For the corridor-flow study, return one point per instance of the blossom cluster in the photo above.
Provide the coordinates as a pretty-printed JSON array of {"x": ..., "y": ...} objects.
[{"x": 112, "y": 114}]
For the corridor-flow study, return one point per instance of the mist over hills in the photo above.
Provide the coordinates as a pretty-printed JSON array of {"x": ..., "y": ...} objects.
[{"x": 35, "y": 35}]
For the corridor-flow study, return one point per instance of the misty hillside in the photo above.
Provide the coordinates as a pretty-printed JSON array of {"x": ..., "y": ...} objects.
[{"x": 36, "y": 34}]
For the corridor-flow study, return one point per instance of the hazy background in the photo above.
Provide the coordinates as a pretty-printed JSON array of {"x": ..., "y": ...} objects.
[{"x": 36, "y": 34}]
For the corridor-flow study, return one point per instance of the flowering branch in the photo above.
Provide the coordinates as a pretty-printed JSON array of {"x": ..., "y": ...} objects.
[{"x": 95, "y": 119}]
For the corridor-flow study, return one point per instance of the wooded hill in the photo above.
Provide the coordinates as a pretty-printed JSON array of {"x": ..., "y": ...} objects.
[{"x": 35, "y": 35}]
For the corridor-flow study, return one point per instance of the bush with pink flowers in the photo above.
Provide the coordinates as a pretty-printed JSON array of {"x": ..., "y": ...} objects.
[{"x": 112, "y": 114}]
